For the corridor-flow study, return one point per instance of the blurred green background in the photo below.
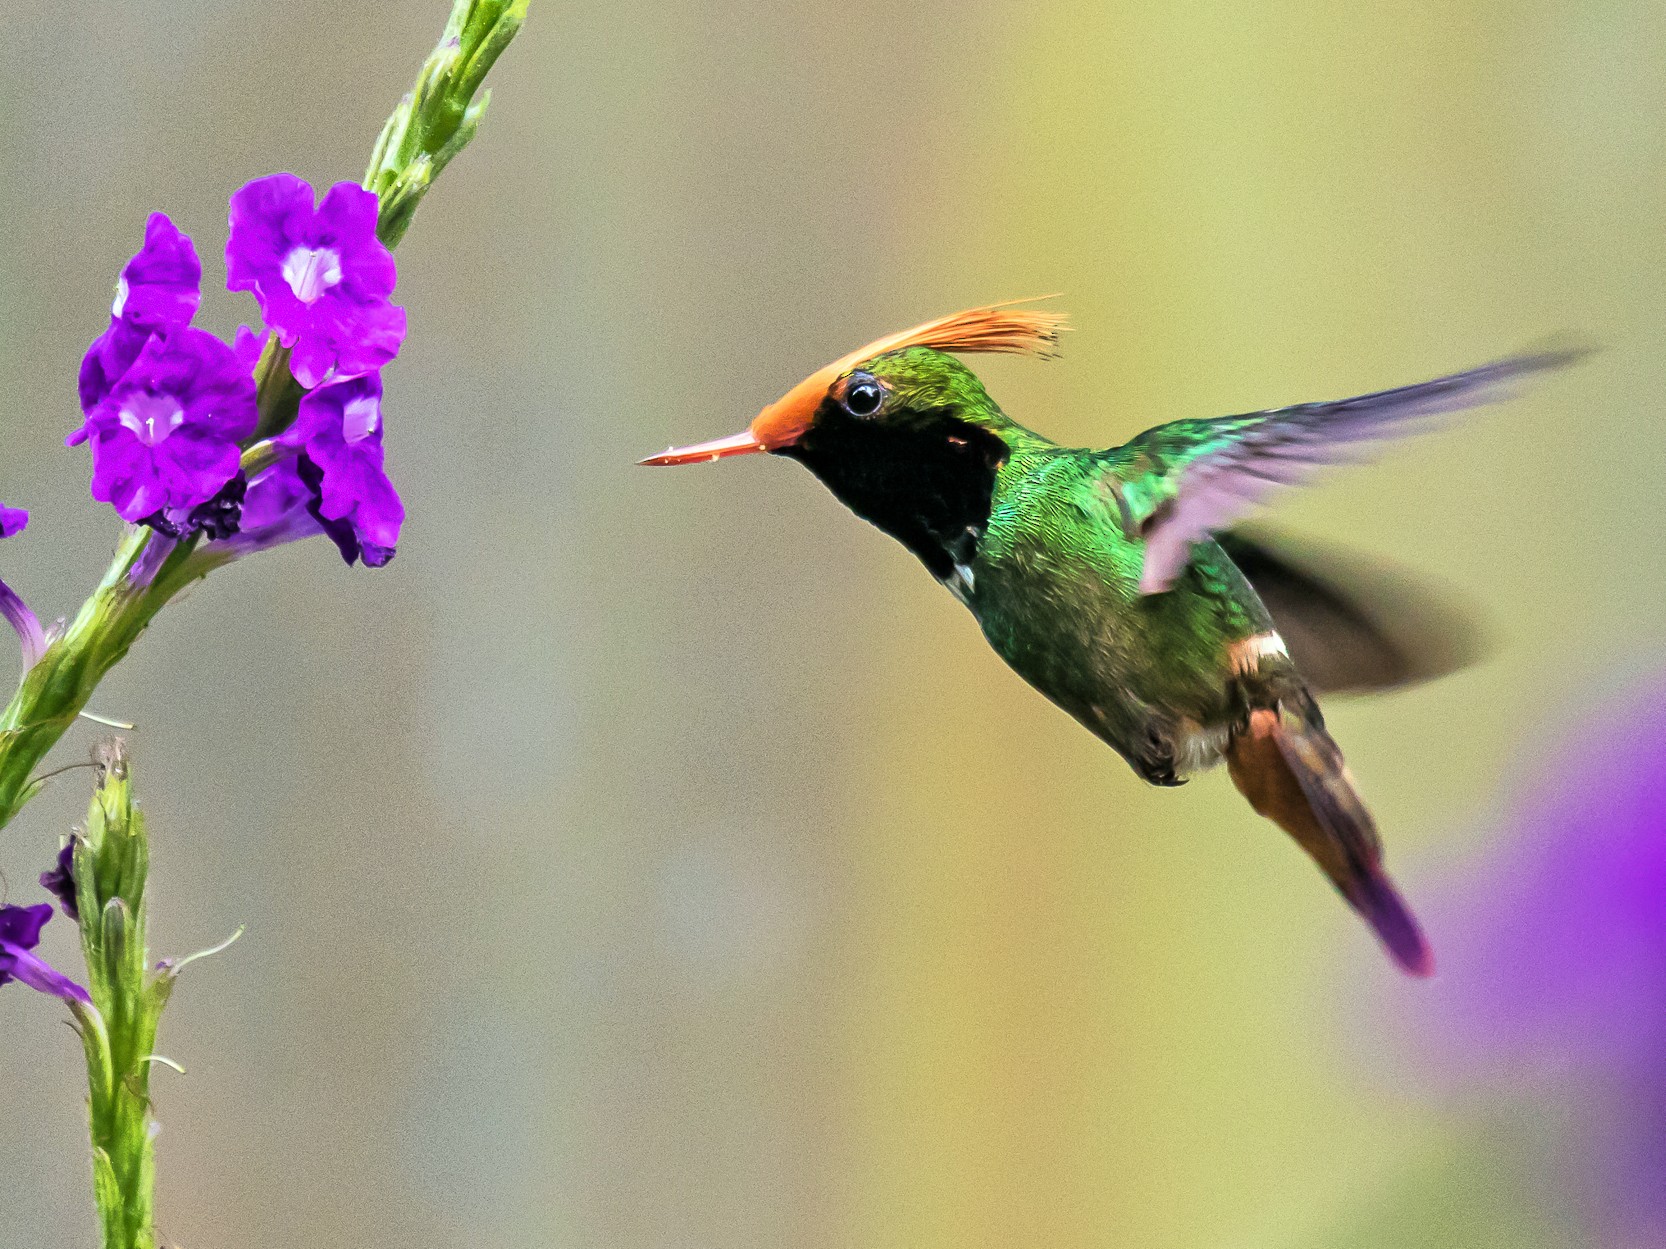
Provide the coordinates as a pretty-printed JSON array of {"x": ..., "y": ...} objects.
[{"x": 661, "y": 860}]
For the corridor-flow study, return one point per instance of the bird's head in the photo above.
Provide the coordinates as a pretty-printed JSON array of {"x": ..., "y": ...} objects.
[
  {"x": 900, "y": 385},
  {"x": 901, "y": 432}
]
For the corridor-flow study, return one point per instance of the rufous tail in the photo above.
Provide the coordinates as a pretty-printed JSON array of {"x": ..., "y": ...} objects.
[{"x": 1292, "y": 773}]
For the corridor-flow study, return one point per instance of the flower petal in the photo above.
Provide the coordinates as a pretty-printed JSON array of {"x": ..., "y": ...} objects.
[
  {"x": 20, "y": 965},
  {"x": 347, "y": 217},
  {"x": 21, "y": 925},
  {"x": 59, "y": 880},
  {"x": 248, "y": 347},
  {"x": 158, "y": 290},
  {"x": 25, "y": 623},
  {"x": 342, "y": 339},
  {"x": 159, "y": 286},
  {"x": 13, "y": 609},
  {"x": 111, "y": 354}
]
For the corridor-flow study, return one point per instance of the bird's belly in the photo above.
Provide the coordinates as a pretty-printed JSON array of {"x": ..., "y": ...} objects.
[{"x": 1150, "y": 675}]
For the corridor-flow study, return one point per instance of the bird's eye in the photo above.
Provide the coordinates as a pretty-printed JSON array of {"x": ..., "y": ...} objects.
[{"x": 863, "y": 395}]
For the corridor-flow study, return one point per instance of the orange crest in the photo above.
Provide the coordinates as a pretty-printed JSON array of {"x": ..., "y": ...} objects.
[{"x": 996, "y": 328}]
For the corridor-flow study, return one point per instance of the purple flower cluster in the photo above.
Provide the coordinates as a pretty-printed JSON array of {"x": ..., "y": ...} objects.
[{"x": 169, "y": 409}]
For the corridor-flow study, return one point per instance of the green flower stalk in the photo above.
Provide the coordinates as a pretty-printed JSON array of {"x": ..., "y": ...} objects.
[
  {"x": 111, "y": 860},
  {"x": 56, "y": 689},
  {"x": 439, "y": 116},
  {"x": 158, "y": 559}
]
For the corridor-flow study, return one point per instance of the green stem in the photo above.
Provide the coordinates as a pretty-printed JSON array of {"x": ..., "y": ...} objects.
[
  {"x": 56, "y": 689},
  {"x": 118, "y": 1031}
]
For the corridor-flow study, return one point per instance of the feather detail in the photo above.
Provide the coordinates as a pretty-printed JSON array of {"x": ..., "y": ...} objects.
[{"x": 1002, "y": 328}]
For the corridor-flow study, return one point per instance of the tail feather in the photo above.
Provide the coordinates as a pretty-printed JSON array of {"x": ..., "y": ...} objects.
[{"x": 1293, "y": 774}]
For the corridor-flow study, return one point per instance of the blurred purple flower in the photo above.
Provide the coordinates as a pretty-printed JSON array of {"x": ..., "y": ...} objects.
[
  {"x": 1573, "y": 929},
  {"x": 1558, "y": 965},
  {"x": 165, "y": 438},
  {"x": 339, "y": 432},
  {"x": 157, "y": 290},
  {"x": 59, "y": 881},
  {"x": 320, "y": 275},
  {"x": 19, "y": 934},
  {"x": 14, "y": 520}
]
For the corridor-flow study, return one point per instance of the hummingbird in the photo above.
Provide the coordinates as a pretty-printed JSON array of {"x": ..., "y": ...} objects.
[{"x": 1119, "y": 583}]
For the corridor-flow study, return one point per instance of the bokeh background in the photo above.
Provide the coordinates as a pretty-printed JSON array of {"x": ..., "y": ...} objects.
[{"x": 660, "y": 860}]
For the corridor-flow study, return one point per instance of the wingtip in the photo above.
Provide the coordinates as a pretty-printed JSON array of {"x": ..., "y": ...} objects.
[{"x": 1561, "y": 352}]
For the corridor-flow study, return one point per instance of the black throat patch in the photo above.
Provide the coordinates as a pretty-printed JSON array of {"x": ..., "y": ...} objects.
[{"x": 928, "y": 482}]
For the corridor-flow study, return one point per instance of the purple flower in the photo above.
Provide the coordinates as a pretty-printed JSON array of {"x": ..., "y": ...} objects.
[
  {"x": 59, "y": 881},
  {"x": 1571, "y": 924},
  {"x": 16, "y": 612},
  {"x": 19, "y": 934},
  {"x": 339, "y": 432},
  {"x": 165, "y": 438},
  {"x": 320, "y": 275},
  {"x": 277, "y": 509},
  {"x": 1557, "y": 975},
  {"x": 157, "y": 291}
]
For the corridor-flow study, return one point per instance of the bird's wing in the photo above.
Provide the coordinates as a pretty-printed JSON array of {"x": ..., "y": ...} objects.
[
  {"x": 1179, "y": 482},
  {"x": 1354, "y": 624}
]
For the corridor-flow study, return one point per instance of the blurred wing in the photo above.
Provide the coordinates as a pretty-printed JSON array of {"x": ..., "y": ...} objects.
[
  {"x": 1351, "y": 624},
  {"x": 1181, "y": 481}
]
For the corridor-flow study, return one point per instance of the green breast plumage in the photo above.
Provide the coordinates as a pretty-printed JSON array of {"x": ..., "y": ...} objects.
[{"x": 1056, "y": 589}]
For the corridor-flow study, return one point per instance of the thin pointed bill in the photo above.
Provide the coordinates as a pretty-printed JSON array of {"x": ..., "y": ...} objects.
[{"x": 704, "y": 452}]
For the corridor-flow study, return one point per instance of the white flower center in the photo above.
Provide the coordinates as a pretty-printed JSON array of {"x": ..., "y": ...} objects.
[
  {"x": 121, "y": 297},
  {"x": 152, "y": 417},
  {"x": 310, "y": 271},
  {"x": 360, "y": 419}
]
